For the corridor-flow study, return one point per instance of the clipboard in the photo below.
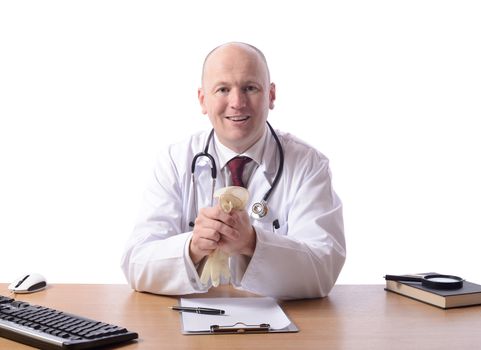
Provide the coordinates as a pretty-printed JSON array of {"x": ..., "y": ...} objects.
[{"x": 242, "y": 316}]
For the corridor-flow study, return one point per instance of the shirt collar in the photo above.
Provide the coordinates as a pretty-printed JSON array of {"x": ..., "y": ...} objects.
[{"x": 255, "y": 152}]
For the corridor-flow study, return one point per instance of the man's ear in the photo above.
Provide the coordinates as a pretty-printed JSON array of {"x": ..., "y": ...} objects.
[
  {"x": 201, "y": 97},
  {"x": 272, "y": 95}
]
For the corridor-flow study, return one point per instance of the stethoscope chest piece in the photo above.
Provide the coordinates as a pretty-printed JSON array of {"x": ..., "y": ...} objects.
[{"x": 259, "y": 210}]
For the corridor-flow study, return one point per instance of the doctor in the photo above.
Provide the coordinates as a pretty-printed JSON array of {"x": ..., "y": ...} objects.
[{"x": 295, "y": 250}]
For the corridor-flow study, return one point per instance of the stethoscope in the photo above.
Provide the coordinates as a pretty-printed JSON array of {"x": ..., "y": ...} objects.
[{"x": 259, "y": 209}]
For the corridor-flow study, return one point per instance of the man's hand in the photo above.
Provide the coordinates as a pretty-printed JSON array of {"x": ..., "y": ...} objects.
[
  {"x": 245, "y": 243},
  {"x": 230, "y": 232}
]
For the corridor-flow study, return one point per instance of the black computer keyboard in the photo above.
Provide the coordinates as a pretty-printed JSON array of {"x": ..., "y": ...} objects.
[{"x": 46, "y": 328}]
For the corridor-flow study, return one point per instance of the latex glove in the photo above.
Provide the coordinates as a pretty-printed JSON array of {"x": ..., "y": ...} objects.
[{"x": 217, "y": 264}]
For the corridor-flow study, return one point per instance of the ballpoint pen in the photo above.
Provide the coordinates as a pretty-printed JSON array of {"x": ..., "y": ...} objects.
[{"x": 198, "y": 310}]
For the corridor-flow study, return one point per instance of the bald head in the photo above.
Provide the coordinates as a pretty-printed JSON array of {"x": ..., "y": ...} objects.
[
  {"x": 236, "y": 48},
  {"x": 236, "y": 94}
]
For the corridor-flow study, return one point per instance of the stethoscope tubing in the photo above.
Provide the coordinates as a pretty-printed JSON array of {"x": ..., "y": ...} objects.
[
  {"x": 205, "y": 153},
  {"x": 281, "y": 164}
]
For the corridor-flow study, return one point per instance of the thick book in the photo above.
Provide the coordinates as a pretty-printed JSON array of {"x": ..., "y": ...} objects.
[{"x": 468, "y": 295}]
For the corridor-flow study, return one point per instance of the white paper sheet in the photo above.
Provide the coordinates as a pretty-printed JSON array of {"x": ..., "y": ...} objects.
[{"x": 250, "y": 311}]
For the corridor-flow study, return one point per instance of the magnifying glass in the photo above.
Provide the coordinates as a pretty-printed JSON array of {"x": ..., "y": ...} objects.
[{"x": 434, "y": 281}]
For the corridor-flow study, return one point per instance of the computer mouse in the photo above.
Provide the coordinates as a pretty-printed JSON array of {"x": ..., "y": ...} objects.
[{"x": 28, "y": 283}]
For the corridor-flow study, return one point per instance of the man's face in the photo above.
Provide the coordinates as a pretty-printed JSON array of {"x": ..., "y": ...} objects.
[{"x": 236, "y": 95}]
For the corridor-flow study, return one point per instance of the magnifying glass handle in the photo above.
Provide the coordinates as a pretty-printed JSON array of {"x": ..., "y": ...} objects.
[{"x": 402, "y": 278}]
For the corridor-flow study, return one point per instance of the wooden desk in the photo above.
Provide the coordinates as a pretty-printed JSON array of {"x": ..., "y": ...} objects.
[{"x": 352, "y": 317}]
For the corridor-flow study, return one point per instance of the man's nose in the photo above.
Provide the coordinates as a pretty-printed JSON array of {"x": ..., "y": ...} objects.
[{"x": 237, "y": 99}]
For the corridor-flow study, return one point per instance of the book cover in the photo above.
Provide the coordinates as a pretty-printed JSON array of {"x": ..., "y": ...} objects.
[{"x": 468, "y": 295}]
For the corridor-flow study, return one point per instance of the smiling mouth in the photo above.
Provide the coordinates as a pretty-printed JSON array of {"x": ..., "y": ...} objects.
[{"x": 239, "y": 118}]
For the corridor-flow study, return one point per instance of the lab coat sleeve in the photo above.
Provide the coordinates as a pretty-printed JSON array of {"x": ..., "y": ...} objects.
[
  {"x": 156, "y": 258},
  {"x": 306, "y": 261}
]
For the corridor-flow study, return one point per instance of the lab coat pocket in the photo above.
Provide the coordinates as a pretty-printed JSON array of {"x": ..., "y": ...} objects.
[{"x": 275, "y": 226}]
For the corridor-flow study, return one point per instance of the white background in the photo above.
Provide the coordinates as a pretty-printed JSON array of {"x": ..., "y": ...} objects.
[{"x": 388, "y": 90}]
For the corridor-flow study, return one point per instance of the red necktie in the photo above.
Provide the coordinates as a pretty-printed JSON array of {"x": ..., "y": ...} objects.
[{"x": 236, "y": 167}]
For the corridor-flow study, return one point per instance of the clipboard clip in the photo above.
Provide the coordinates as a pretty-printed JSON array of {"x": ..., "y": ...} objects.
[{"x": 239, "y": 328}]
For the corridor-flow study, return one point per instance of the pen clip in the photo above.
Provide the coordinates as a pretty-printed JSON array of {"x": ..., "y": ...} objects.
[{"x": 247, "y": 328}]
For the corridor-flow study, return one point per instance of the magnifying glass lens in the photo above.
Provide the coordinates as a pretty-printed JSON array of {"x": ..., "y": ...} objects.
[{"x": 443, "y": 279}]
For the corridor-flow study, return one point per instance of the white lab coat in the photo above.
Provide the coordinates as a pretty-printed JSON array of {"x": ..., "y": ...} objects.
[{"x": 300, "y": 259}]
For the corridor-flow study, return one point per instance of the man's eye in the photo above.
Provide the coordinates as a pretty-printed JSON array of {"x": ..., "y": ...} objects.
[
  {"x": 251, "y": 88},
  {"x": 222, "y": 90}
]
